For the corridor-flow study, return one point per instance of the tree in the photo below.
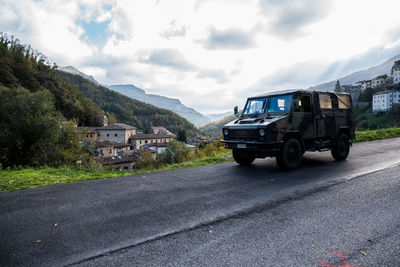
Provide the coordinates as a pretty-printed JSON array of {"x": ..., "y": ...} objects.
[
  {"x": 175, "y": 152},
  {"x": 181, "y": 136},
  {"x": 337, "y": 86},
  {"x": 32, "y": 132}
]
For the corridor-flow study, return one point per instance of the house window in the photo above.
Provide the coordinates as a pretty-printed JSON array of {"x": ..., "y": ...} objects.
[
  {"x": 101, "y": 151},
  {"x": 99, "y": 135},
  {"x": 115, "y": 135},
  {"x": 145, "y": 142},
  {"x": 110, "y": 151},
  {"x": 108, "y": 135}
]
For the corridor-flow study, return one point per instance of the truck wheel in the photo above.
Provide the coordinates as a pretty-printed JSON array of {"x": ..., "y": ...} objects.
[
  {"x": 341, "y": 149},
  {"x": 243, "y": 158},
  {"x": 289, "y": 157}
]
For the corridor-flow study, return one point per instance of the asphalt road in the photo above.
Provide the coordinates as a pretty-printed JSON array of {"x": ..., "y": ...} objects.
[{"x": 216, "y": 215}]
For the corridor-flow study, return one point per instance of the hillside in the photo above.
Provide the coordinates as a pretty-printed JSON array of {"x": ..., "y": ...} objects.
[
  {"x": 367, "y": 74},
  {"x": 162, "y": 102},
  {"x": 76, "y": 97},
  {"x": 214, "y": 128},
  {"x": 128, "y": 110},
  {"x": 156, "y": 100}
]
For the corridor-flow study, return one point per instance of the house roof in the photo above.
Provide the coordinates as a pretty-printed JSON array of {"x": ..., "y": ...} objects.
[
  {"x": 159, "y": 144},
  {"x": 162, "y": 128},
  {"x": 106, "y": 143},
  {"x": 118, "y": 159},
  {"x": 145, "y": 150},
  {"x": 151, "y": 136},
  {"x": 385, "y": 92},
  {"x": 117, "y": 126}
]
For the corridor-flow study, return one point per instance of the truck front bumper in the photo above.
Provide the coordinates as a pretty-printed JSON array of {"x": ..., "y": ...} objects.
[{"x": 256, "y": 146}]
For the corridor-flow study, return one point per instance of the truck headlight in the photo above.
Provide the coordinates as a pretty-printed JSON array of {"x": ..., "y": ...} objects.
[
  {"x": 226, "y": 132},
  {"x": 261, "y": 132}
]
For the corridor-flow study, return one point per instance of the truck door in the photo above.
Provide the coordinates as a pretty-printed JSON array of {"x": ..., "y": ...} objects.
[
  {"x": 302, "y": 116},
  {"x": 326, "y": 120}
]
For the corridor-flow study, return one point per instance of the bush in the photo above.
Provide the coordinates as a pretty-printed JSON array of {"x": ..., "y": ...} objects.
[
  {"x": 33, "y": 133},
  {"x": 176, "y": 152}
]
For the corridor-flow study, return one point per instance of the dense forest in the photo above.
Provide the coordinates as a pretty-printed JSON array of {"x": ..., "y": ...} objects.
[{"x": 76, "y": 97}]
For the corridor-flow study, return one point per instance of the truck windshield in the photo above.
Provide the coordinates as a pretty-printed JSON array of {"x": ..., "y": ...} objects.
[
  {"x": 255, "y": 106},
  {"x": 279, "y": 103}
]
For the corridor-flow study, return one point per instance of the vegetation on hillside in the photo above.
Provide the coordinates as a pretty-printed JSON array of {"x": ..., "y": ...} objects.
[
  {"x": 33, "y": 132},
  {"x": 215, "y": 128},
  {"x": 76, "y": 97},
  {"x": 128, "y": 110}
]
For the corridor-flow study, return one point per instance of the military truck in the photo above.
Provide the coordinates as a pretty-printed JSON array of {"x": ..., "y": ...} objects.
[{"x": 286, "y": 124}]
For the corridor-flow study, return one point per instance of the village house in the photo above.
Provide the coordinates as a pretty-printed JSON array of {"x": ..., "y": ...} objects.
[
  {"x": 139, "y": 140},
  {"x": 117, "y": 132},
  {"x": 110, "y": 149},
  {"x": 158, "y": 147},
  {"x": 379, "y": 81},
  {"x": 395, "y": 73},
  {"x": 121, "y": 163},
  {"x": 160, "y": 130},
  {"x": 90, "y": 133},
  {"x": 384, "y": 101}
]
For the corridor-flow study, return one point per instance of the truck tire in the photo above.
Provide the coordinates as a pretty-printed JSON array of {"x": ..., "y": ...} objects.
[
  {"x": 243, "y": 158},
  {"x": 289, "y": 157},
  {"x": 341, "y": 149}
]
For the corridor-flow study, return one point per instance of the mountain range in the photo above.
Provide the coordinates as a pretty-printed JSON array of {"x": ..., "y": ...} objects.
[
  {"x": 172, "y": 104},
  {"x": 368, "y": 74}
]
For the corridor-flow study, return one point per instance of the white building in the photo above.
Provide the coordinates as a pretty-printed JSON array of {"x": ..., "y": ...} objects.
[
  {"x": 384, "y": 101},
  {"x": 395, "y": 74},
  {"x": 117, "y": 132},
  {"x": 379, "y": 81}
]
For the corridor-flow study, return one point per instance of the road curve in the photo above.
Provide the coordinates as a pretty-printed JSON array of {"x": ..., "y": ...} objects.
[{"x": 81, "y": 223}]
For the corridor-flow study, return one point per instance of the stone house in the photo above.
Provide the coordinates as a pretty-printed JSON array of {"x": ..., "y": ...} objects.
[
  {"x": 121, "y": 163},
  {"x": 112, "y": 149},
  {"x": 395, "y": 73},
  {"x": 140, "y": 140},
  {"x": 117, "y": 132},
  {"x": 160, "y": 130}
]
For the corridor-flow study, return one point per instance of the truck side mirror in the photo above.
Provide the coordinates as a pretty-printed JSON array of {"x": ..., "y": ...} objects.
[{"x": 236, "y": 111}]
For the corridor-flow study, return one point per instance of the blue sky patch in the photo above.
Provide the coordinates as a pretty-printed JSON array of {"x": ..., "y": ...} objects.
[{"x": 95, "y": 32}]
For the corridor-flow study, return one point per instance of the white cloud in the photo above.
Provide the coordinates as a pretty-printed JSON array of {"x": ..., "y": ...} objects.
[{"x": 209, "y": 54}]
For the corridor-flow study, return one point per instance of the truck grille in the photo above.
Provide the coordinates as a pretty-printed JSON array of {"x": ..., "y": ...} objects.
[{"x": 251, "y": 134}]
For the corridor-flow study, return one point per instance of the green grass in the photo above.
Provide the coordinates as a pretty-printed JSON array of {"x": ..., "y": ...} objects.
[
  {"x": 25, "y": 178},
  {"x": 370, "y": 135}
]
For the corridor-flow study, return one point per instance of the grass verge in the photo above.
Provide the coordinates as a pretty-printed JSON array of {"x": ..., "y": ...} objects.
[
  {"x": 25, "y": 178},
  {"x": 370, "y": 135}
]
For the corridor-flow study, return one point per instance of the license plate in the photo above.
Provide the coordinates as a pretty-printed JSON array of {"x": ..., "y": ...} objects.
[{"x": 241, "y": 146}]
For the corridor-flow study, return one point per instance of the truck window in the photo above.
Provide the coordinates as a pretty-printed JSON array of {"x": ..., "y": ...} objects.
[
  {"x": 302, "y": 104},
  {"x": 255, "y": 106},
  {"x": 280, "y": 103},
  {"x": 325, "y": 101},
  {"x": 344, "y": 102}
]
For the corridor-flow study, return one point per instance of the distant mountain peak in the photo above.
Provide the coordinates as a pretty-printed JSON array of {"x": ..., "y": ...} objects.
[{"x": 73, "y": 70}]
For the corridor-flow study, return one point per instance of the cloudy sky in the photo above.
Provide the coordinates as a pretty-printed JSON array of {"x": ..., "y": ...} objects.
[{"x": 211, "y": 54}]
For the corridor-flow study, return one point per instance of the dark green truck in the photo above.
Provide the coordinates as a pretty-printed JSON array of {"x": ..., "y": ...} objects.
[{"x": 286, "y": 124}]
